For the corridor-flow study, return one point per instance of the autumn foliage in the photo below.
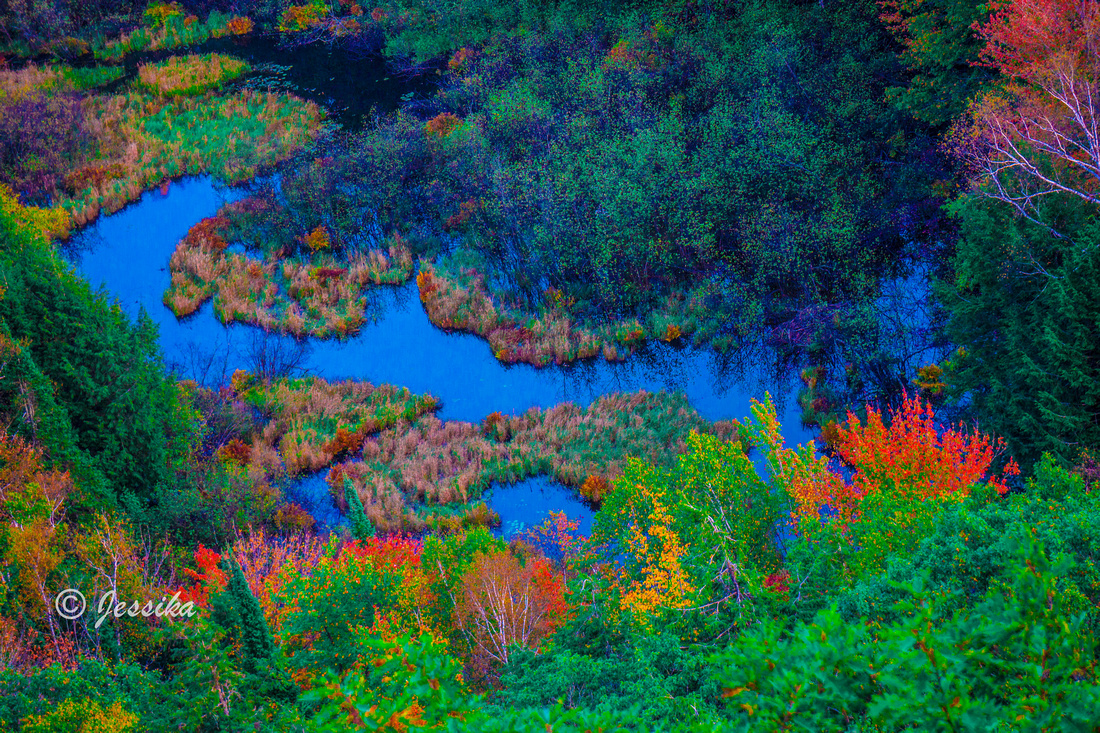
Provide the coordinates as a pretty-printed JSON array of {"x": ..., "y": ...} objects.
[
  {"x": 442, "y": 125},
  {"x": 1037, "y": 135},
  {"x": 505, "y": 601},
  {"x": 904, "y": 471},
  {"x": 207, "y": 576}
]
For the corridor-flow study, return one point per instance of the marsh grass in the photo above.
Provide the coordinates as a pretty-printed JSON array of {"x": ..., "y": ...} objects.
[
  {"x": 91, "y": 77},
  {"x": 461, "y": 301},
  {"x": 319, "y": 294},
  {"x": 154, "y": 139},
  {"x": 450, "y": 463},
  {"x": 193, "y": 74},
  {"x": 18, "y": 84},
  {"x": 313, "y": 421},
  {"x": 173, "y": 31}
]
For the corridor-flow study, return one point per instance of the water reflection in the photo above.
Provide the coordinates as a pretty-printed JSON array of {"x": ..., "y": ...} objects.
[
  {"x": 127, "y": 254},
  {"x": 312, "y": 494},
  {"x": 527, "y": 504}
]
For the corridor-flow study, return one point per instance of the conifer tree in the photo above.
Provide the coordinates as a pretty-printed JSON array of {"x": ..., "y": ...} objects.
[
  {"x": 238, "y": 611},
  {"x": 1024, "y": 310},
  {"x": 361, "y": 527}
]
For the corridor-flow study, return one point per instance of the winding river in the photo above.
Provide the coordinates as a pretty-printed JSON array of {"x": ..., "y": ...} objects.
[{"x": 127, "y": 255}]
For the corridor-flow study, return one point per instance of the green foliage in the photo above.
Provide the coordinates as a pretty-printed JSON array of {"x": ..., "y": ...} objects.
[
  {"x": 1024, "y": 307},
  {"x": 734, "y": 157},
  {"x": 964, "y": 558},
  {"x": 237, "y": 610},
  {"x": 128, "y": 420},
  {"x": 193, "y": 74},
  {"x": 165, "y": 28},
  {"x": 941, "y": 50},
  {"x": 410, "y": 680},
  {"x": 92, "y": 76},
  {"x": 22, "y": 696},
  {"x": 446, "y": 560},
  {"x": 207, "y": 690},
  {"x": 1019, "y": 654},
  {"x": 661, "y": 684},
  {"x": 331, "y": 608},
  {"x": 712, "y": 505}
]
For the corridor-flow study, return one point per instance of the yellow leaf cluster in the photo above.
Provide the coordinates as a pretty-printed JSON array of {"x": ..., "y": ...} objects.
[
  {"x": 663, "y": 582},
  {"x": 82, "y": 716}
]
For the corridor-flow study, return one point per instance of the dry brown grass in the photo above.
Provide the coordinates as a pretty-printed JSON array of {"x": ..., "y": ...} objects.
[
  {"x": 321, "y": 297},
  {"x": 312, "y": 419},
  {"x": 191, "y": 74},
  {"x": 440, "y": 462},
  {"x": 18, "y": 84},
  {"x": 550, "y": 336}
]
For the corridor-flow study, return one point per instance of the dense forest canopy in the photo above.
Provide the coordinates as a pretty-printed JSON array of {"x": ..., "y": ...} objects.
[{"x": 895, "y": 201}]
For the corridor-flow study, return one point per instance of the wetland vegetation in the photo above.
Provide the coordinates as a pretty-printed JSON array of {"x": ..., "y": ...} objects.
[{"x": 293, "y": 295}]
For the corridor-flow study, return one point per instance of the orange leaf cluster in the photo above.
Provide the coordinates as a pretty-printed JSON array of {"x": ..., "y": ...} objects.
[
  {"x": 269, "y": 563},
  {"x": 595, "y": 488},
  {"x": 465, "y": 210},
  {"x": 240, "y": 25},
  {"x": 301, "y": 17},
  {"x": 208, "y": 234},
  {"x": 461, "y": 57},
  {"x": 912, "y": 456},
  {"x": 236, "y": 451},
  {"x": 317, "y": 239},
  {"x": 208, "y": 575},
  {"x": 442, "y": 125},
  {"x": 504, "y": 601}
]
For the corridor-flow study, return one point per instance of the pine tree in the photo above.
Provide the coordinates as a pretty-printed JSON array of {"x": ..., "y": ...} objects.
[
  {"x": 1029, "y": 366},
  {"x": 361, "y": 527},
  {"x": 238, "y": 611}
]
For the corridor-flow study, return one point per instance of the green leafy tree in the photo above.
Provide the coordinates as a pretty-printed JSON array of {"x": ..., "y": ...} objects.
[
  {"x": 942, "y": 50},
  {"x": 1018, "y": 655}
]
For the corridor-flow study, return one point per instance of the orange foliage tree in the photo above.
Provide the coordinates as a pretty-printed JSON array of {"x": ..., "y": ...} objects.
[
  {"x": 638, "y": 521},
  {"x": 33, "y": 541},
  {"x": 269, "y": 563},
  {"x": 504, "y": 601},
  {"x": 903, "y": 476},
  {"x": 207, "y": 576}
]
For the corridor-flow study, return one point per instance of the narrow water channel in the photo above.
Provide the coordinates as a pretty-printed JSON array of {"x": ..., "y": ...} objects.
[{"x": 127, "y": 255}]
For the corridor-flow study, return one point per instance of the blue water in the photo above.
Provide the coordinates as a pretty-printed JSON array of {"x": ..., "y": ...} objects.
[
  {"x": 312, "y": 494},
  {"x": 527, "y": 504},
  {"x": 127, "y": 254}
]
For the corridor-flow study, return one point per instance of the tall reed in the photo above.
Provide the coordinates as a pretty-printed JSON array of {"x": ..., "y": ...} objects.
[
  {"x": 436, "y": 462},
  {"x": 461, "y": 301},
  {"x": 193, "y": 74},
  {"x": 317, "y": 295}
]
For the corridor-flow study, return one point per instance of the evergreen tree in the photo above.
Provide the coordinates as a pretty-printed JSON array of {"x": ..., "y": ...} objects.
[
  {"x": 1025, "y": 308},
  {"x": 109, "y": 406},
  {"x": 361, "y": 527},
  {"x": 238, "y": 611}
]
